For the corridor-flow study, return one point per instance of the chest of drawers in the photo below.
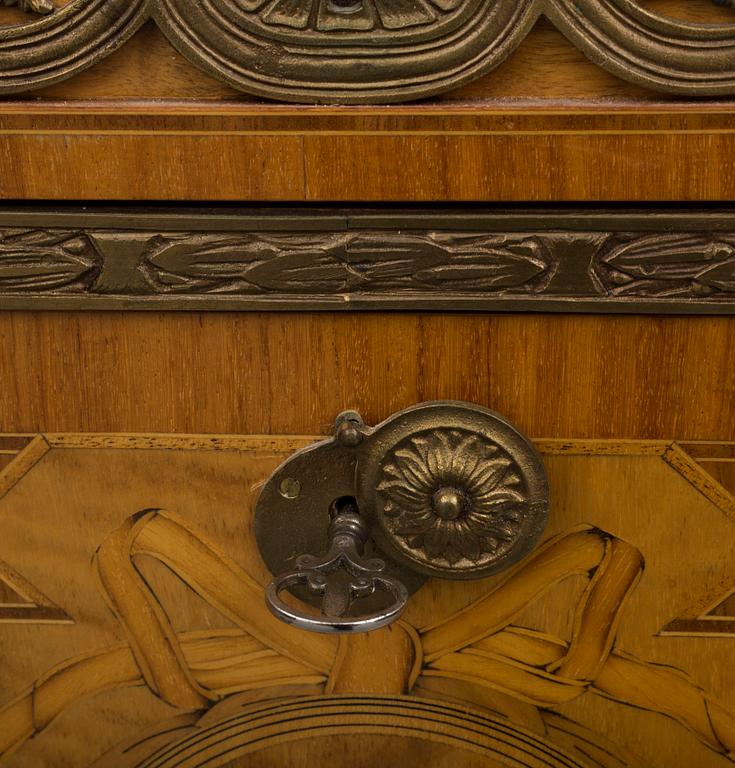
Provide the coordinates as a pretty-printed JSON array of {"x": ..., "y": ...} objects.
[{"x": 222, "y": 224}]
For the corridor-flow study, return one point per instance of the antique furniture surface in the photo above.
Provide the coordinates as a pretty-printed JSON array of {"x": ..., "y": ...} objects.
[{"x": 225, "y": 222}]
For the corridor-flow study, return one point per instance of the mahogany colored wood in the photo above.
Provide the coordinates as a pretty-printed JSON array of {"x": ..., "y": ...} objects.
[
  {"x": 555, "y": 376},
  {"x": 548, "y": 125},
  {"x": 320, "y": 154}
]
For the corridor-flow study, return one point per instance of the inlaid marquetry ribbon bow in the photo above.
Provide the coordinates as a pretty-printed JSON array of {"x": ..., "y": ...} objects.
[{"x": 478, "y": 645}]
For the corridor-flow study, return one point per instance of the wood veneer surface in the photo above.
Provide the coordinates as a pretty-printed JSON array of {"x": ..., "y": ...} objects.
[
  {"x": 546, "y": 125},
  {"x": 317, "y": 154},
  {"x": 555, "y": 376}
]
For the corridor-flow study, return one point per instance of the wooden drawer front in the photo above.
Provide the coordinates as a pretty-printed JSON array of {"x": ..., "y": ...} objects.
[{"x": 133, "y": 628}]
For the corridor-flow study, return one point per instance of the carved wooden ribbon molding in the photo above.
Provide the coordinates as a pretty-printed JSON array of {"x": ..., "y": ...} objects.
[
  {"x": 384, "y": 51},
  {"x": 479, "y": 645}
]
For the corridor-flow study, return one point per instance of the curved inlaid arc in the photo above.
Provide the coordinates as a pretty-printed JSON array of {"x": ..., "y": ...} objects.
[{"x": 261, "y": 727}]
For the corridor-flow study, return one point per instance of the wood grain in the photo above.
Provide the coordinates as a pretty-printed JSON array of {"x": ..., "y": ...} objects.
[
  {"x": 398, "y": 645},
  {"x": 609, "y": 166},
  {"x": 702, "y": 477},
  {"x": 503, "y": 644},
  {"x": 301, "y": 155},
  {"x": 150, "y": 167},
  {"x": 547, "y": 125},
  {"x": 560, "y": 376},
  {"x": 229, "y": 153},
  {"x": 31, "y": 453}
]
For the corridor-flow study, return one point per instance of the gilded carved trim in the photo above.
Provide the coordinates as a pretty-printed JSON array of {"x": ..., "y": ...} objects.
[
  {"x": 32, "y": 6},
  {"x": 363, "y": 51},
  {"x": 59, "y": 45},
  {"x": 450, "y": 259}
]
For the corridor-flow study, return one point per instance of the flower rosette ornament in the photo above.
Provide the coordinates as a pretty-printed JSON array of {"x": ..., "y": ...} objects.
[{"x": 451, "y": 497}]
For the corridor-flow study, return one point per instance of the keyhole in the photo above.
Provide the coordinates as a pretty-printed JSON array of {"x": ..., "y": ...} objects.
[{"x": 342, "y": 505}]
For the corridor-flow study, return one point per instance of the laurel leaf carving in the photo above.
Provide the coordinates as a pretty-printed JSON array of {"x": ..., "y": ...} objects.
[
  {"x": 676, "y": 265},
  {"x": 360, "y": 262},
  {"x": 46, "y": 261}
]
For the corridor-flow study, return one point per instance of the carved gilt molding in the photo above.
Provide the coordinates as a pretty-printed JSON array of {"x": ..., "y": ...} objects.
[
  {"x": 362, "y": 51},
  {"x": 566, "y": 260},
  {"x": 32, "y": 6},
  {"x": 59, "y": 45}
]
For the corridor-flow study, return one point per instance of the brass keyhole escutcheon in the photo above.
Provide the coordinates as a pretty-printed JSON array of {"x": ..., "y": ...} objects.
[{"x": 443, "y": 489}]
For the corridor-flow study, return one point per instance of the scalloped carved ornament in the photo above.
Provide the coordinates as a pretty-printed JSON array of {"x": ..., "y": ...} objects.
[
  {"x": 32, "y": 6},
  {"x": 366, "y": 51}
]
